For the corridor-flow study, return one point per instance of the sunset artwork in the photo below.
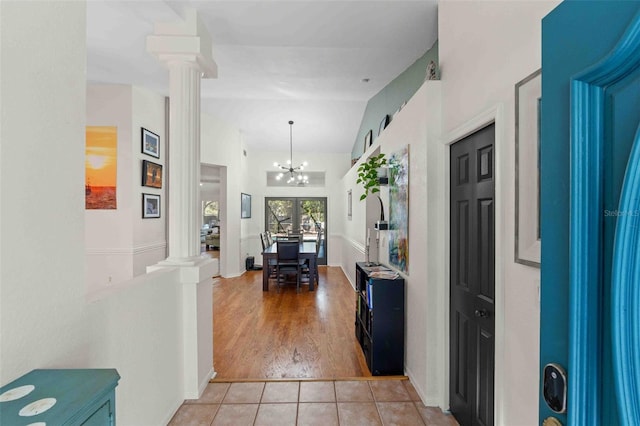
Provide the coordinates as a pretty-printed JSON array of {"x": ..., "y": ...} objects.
[{"x": 101, "y": 163}]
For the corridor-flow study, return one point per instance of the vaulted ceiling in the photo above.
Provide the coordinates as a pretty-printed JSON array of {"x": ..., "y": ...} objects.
[{"x": 299, "y": 60}]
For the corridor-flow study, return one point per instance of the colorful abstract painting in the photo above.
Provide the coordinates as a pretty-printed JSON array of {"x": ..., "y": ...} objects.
[
  {"x": 101, "y": 161},
  {"x": 399, "y": 209}
]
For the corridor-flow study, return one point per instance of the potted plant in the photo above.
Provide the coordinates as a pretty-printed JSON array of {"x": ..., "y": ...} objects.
[{"x": 371, "y": 174}]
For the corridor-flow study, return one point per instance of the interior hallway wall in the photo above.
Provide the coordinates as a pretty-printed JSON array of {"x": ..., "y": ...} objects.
[
  {"x": 45, "y": 318},
  {"x": 485, "y": 48},
  {"x": 418, "y": 127},
  {"x": 43, "y": 322},
  {"x": 120, "y": 244}
]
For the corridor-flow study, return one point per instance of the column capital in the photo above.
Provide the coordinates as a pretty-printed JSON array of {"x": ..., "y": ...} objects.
[{"x": 185, "y": 41}]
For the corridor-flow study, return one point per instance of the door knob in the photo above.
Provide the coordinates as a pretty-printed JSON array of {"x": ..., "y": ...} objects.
[{"x": 481, "y": 313}]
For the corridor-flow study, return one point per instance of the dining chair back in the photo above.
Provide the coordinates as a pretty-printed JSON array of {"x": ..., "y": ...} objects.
[
  {"x": 287, "y": 262},
  {"x": 294, "y": 237}
]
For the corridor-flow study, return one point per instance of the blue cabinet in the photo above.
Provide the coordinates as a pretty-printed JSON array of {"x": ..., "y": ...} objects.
[{"x": 60, "y": 397}]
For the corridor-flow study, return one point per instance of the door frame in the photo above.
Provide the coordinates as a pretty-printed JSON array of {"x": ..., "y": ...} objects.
[
  {"x": 494, "y": 115},
  {"x": 586, "y": 315}
]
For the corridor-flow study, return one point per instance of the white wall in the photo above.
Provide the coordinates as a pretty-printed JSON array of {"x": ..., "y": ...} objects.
[
  {"x": 418, "y": 120},
  {"x": 108, "y": 232},
  {"x": 149, "y": 235},
  {"x": 45, "y": 320},
  {"x": 485, "y": 48},
  {"x": 42, "y": 85},
  {"x": 418, "y": 126},
  {"x": 136, "y": 328},
  {"x": 120, "y": 244},
  {"x": 221, "y": 145}
]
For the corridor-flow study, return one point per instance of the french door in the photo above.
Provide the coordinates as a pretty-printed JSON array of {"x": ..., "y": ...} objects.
[{"x": 303, "y": 215}]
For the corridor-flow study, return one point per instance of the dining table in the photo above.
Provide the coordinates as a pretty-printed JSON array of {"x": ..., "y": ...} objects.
[{"x": 306, "y": 251}]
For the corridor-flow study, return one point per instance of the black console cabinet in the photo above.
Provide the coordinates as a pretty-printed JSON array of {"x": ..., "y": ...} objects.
[{"x": 380, "y": 320}]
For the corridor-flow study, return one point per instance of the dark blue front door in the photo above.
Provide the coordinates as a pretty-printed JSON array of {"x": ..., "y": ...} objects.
[{"x": 590, "y": 117}]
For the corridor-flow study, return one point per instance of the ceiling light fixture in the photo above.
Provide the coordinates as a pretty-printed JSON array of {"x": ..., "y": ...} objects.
[{"x": 295, "y": 177}]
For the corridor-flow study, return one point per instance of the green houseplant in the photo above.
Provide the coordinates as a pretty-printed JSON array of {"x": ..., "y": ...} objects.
[{"x": 369, "y": 177}]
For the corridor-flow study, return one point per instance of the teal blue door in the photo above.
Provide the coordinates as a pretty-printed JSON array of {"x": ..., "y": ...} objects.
[{"x": 590, "y": 209}]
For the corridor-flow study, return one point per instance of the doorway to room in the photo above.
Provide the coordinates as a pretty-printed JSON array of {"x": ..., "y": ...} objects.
[
  {"x": 212, "y": 212},
  {"x": 210, "y": 231},
  {"x": 472, "y": 278},
  {"x": 304, "y": 215}
]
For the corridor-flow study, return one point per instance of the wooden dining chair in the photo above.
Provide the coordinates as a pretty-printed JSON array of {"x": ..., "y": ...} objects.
[
  {"x": 287, "y": 262},
  {"x": 271, "y": 263}
]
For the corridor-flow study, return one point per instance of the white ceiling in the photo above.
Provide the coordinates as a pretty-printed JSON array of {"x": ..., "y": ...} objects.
[{"x": 277, "y": 61}]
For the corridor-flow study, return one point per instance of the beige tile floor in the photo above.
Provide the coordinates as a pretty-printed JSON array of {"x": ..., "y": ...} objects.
[{"x": 325, "y": 403}]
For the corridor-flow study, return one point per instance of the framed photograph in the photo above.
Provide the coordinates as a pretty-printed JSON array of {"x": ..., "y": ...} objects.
[
  {"x": 383, "y": 124},
  {"x": 368, "y": 140},
  {"x": 150, "y": 143},
  {"x": 245, "y": 206},
  {"x": 349, "y": 204},
  {"x": 151, "y": 174},
  {"x": 150, "y": 206},
  {"x": 527, "y": 152}
]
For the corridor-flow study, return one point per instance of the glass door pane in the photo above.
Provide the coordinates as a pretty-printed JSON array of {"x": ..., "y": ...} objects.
[
  {"x": 311, "y": 216},
  {"x": 279, "y": 215},
  {"x": 306, "y": 216}
]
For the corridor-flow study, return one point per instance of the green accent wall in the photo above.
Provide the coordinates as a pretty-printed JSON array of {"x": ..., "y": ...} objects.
[{"x": 392, "y": 96}]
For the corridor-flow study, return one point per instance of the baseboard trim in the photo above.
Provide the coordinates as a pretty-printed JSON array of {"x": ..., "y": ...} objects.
[
  {"x": 309, "y": 379},
  {"x": 207, "y": 379}
]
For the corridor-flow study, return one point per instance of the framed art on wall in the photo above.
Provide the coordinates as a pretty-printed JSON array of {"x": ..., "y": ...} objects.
[
  {"x": 150, "y": 206},
  {"x": 528, "y": 93},
  {"x": 101, "y": 168},
  {"x": 383, "y": 124},
  {"x": 150, "y": 143},
  {"x": 368, "y": 140},
  {"x": 151, "y": 174},
  {"x": 399, "y": 209},
  {"x": 245, "y": 206}
]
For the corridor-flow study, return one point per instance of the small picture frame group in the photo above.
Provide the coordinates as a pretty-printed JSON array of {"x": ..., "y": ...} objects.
[
  {"x": 150, "y": 206},
  {"x": 150, "y": 143}
]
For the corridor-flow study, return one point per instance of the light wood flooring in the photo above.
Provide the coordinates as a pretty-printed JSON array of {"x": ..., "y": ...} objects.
[{"x": 270, "y": 335}]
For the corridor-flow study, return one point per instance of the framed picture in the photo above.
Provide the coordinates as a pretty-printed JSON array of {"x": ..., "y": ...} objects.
[
  {"x": 368, "y": 140},
  {"x": 151, "y": 174},
  {"x": 245, "y": 206},
  {"x": 383, "y": 124},
  {"x": 349, "y": 204},
  {"x": 527, "y": 152},
  {"x": 150, "y": 143},
  {"x": 150, "y": 206}
]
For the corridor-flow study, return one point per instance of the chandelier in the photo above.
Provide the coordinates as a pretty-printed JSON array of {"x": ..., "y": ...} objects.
[{"x": 295, "y": 177}]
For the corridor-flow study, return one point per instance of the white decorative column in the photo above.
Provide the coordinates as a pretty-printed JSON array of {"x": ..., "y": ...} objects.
[{"x": 185, "y": 48}]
